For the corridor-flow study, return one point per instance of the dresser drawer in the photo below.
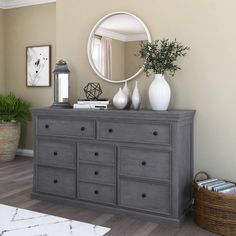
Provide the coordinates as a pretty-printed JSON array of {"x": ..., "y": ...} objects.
[
  {"x": 56, "y": 181},
  {"x": 96, "y": 193},
  {"x": 101, "y": 174},
  {"x": 145, "y": 163},
  {"x": 70, "y": 128},
  {"x": 135, "y": 132},
  {"x": 56, "y": 153},
  {"x": 100, "y": 153},
  {"x": 145, "y": 196}
]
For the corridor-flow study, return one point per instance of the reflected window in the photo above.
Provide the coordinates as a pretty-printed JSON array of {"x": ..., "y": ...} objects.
[{"x": 97, "y": 52}]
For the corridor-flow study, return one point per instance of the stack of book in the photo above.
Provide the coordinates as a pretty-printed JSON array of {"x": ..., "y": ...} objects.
[
  {"x": 217, "y": 185},
  {"x": 101, "y": 104}
]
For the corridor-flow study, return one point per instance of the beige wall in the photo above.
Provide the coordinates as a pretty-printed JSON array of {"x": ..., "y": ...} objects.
[
  {"x": 28, "y": 26},
  {"x": 132, "y": 62},
  {"x": 118, "y": 63},
  {"x": 207, "y": 81},
  {"x": 2, "y": 79}
]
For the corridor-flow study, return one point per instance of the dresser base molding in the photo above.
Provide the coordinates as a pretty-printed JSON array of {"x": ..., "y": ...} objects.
[{"x": 112, "y": 210}]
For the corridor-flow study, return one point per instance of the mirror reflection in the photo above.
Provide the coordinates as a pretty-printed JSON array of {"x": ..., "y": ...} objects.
[{"x": 114, "y": 44}]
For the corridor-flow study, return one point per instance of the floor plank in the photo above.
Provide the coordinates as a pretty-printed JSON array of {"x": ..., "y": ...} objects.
[{"x": 16, "y": 187}]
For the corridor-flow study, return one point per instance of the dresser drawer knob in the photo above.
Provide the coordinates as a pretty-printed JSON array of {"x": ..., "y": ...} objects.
[
  {"x": 46, "y": 126},
  {"x": 144, "y": 195},
  {"x": 144, "y": 163},
  {"x": 55, "y": 181},
  {"x": 96, "y": 192},
  {"x": 96, "y": 172},
  {"x": 110, "y": 130},
  {"x": 82, "y": 129},
  {"x": 96, "y": 154},
  {"x": 55, "y": 153},
  {"x": 155, "y": 133}
]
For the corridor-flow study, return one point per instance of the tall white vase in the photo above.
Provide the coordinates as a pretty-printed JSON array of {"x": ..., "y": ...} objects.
[
  {"x": 159, "y": 93},
  {"x": 136, "y": 97},
  {"x": 126, "y": 91}
]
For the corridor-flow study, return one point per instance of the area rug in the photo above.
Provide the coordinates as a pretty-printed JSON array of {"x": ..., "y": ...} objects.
[{"x": 20, "y": 222}]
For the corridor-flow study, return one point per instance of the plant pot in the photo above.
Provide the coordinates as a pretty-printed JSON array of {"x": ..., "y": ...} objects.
[
  {"x": 159, "y": 93},
  {"x": 9, "y": 140}
]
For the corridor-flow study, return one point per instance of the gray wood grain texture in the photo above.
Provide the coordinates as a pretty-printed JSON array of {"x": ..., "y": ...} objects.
[
  {"x": 144, "y": 196},
  {"x": 54, "y": 152},
  {"x": 101, "y": 174},
  {"x": 130, "y": 131},
  {"x": 145, "y": 163},
  {"x": 56, "y": 181},
  {"x": 66, "y": 127},
  {"x": 99, "y": 153},
  {"x": 97, "y": 193},
  {"x": 122, "y": 141}
]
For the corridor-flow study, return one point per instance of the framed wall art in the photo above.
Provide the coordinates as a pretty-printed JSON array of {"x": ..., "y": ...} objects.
[{"x": 38, "y": 66}]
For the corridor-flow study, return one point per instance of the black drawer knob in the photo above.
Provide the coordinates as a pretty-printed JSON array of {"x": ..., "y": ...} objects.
[
  {"x": 82, "y": 128},
  {"x": 110, "y": 130},
  {"x": 144, "y": 163},
  {"x": 46, "y": 126},
  {"x": 55, "y": 181},
  {"x": 155, "y": 133},
  {"x": 96, "y": 172},
  {"x": 96, "y": 192},
  {"x": 55, "y": 153},
  {"x": 96, "y": 154},
  {"x": 144, "y": 195}
]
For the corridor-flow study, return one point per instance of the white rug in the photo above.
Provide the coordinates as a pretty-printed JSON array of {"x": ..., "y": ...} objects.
[{"x": 20, "y": 222}]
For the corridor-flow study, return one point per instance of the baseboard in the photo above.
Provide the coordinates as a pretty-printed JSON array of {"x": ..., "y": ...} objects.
[{"x": 25, "y": 152}]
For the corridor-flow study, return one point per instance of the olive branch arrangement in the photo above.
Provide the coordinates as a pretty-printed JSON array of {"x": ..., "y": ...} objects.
[{"x": 161, "y": 56}]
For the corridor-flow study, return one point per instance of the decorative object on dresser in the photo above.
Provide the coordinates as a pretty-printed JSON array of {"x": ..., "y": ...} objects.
[
  {"x": 100, "y": 104},
  {"x": 93, "y": 91},
  {"x": 126, "y": 91},
  {"x": 38, "y": 66},
  {"x": 61, "y": 85},
  {"x": 136, "y": 162},
  {"x": 214, "y": 211},
  {"x": 120, "y": 100},
  {"x": 112, "y": 45},
  {"x": 13, "y": 112},
  {"x": 161, "y": 56},
  {"x": 136, "y": 97}
]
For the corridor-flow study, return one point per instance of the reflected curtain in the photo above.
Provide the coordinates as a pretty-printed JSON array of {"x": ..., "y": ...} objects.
[{"x": 106, "y": 64}]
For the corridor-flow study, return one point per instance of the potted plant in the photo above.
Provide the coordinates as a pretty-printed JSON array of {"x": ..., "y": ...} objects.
[
  {"x": 13, "y": 112},
  {"x": 161, "y": 57}
]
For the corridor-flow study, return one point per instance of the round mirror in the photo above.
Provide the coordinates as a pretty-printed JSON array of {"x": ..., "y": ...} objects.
[{"x": 113, "y": 46}]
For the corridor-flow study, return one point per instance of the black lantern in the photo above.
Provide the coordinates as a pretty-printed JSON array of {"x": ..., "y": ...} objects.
[{"x": 61, "y": 85}]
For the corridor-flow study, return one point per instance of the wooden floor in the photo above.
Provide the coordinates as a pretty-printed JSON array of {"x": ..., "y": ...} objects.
[{"x": 15, "y": 190}]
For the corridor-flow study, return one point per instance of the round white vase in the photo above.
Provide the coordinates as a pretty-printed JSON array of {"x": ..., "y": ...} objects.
[
  {"x": 159, "y": 93},
  {"x": 120, "y": 100}
]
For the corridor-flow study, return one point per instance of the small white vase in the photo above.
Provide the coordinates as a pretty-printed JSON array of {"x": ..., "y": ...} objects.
[
  {"x": 120, "y": 100},
  {"x": 136, "y": 97},
  {"x": 159, "y": 93},
  {"x": 127, "y": 92}
]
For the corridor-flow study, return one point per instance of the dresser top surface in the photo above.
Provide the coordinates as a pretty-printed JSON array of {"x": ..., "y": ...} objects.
[{"x": 129, "y": 114}]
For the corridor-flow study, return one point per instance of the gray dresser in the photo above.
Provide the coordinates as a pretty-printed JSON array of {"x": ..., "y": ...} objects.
[{"x": 135, "y": 162}]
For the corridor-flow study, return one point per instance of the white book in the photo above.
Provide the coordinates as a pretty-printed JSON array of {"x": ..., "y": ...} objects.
[
  {"x": 89, "y": 106},
  {"x": 93, "y": 102}
]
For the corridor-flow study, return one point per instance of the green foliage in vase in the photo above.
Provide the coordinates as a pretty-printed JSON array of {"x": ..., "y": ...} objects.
[
  {"x": 13, "y": 109},
  {"x": 161, "y": 56}
]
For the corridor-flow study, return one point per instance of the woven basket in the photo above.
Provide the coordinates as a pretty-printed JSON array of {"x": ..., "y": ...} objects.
[
  {"x": 215, "y": 212},
  {"x": 9, "y": 139}
]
